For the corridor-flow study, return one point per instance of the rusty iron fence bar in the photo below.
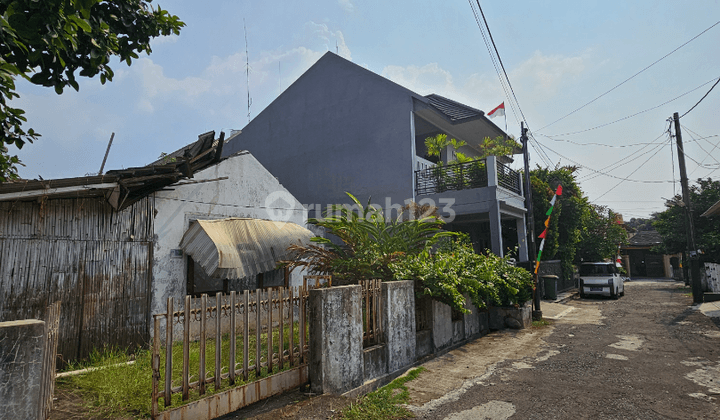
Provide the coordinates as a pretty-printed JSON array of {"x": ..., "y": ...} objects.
[
  {"x": 372, "y": 311},
  {"x": 274, "y": 310},
  {"x": 52, "y": 335}
]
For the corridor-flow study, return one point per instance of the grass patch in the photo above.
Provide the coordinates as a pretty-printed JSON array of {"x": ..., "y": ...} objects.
[
  {"x": 385, "y": 402},
  {"x": 121, "y": 389},
  {"x": 541, "y": 323}
]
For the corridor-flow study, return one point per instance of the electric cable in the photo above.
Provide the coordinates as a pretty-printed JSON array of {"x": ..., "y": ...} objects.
[
  {"x": 580, "y": 165},
  {"x": 627, "y": 159},
  {"x": 637, "y": 113},
  {"x": 701, "y": 99},
  {"x": 632, "y": 77},
  {"x": 636, "y": 169},
  {"x": 505, "y": 81}
]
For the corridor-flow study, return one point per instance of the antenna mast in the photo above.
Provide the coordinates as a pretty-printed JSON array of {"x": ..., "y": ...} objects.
[{"x": 247, "y": 71}]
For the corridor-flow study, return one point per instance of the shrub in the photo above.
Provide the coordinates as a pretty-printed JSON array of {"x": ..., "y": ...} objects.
[{"x": 454, "y": 270}]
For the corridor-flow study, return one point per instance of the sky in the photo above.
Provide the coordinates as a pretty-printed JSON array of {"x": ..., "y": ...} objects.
[{"x": 558, "y": 55}]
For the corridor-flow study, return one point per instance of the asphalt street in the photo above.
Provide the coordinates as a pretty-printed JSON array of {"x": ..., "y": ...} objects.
[{"x": 649, "y": 355}]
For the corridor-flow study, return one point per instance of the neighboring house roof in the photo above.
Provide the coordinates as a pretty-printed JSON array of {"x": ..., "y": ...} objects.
[
  {"x": 645, "y": 238},
  {"x": 714, "y": 210},
  {"x": 455, "y": 111},
  {"x": 241, "y": 247},
  {"x": 123, "y": 187}
]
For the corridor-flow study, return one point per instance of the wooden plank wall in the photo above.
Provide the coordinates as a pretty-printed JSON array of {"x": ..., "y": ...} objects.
[{"x": 93, "y": 260}]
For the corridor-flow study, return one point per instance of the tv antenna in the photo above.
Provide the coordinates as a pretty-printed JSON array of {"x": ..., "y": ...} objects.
[{"x": 247, "y": 71}]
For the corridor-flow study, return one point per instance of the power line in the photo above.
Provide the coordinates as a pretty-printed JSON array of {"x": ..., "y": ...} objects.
[
  {"x": 636, "y": 169},
  {"x": 631, "y": 77},
  {"x": 505, "y": 81},
  {"x": 640, "y": 112},
  {"x": 593, "y": 143},
  {"x": 627, "y": 159},
  {"x": 701, "y": 99},
  {"x": 500, "y": 60},
  {"x": 610, "y": 175}
]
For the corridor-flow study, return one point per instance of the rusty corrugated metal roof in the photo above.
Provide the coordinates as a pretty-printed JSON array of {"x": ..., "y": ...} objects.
[{"x": 239, "y": 247}]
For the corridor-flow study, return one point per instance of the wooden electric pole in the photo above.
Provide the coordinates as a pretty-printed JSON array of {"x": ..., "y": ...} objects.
[
  {"x": 532, "y": 252},
  {"x": 692, "y": 248}
]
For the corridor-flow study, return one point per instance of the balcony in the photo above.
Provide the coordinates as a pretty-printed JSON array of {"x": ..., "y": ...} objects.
[{"x": 470, "y": 175}]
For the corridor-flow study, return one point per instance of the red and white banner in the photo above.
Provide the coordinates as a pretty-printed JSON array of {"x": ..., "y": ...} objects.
[{"x": 499, "y": 111}]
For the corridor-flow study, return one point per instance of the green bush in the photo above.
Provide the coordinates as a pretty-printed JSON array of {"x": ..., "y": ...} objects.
[{"x": 454, "y": 270}]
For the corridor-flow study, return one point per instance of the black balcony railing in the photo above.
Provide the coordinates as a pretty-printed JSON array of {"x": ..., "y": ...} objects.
[
  {"x": 451, "y": 177},
  {"x": 508, "y": 179}
]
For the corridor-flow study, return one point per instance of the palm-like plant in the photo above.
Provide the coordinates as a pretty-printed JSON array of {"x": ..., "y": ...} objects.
[{"x": 369, "y": 242}]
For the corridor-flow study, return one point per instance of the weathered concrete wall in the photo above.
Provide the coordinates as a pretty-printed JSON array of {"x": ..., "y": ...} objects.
[
  {"x": 472, "y": 319},
  {"x": 21, "y": 357},
  {"x": 510, "y": 317},
  {"x": 249, "y": 191},
  {"x": 442, "y": 325},
  {"x": 398, "y": 320},
  {"x": 375, "y": 362},
  {"x": 336, "y": 343},
  {"x": 712, "y": 277}
]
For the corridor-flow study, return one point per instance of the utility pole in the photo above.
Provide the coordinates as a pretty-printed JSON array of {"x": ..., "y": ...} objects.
[
  {"x": 530, "y": 219},
  {"x": 694, "y": 263}
]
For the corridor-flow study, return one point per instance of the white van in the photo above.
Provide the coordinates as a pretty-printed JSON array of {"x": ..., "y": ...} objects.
[{"x": 601, "y": 278}]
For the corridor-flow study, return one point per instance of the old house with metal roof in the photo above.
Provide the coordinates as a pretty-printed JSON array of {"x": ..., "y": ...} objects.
[
  {"x": 342, "y": 128},
  {"x": 642, "y": 261},
  {"x": 113, "y": 247}
]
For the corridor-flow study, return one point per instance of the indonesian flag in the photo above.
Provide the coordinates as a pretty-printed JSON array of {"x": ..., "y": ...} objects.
[{"x": 499, "y": 111}]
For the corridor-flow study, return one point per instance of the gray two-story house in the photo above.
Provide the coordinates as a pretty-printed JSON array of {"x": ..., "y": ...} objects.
[{"x": 342, "y": 128}]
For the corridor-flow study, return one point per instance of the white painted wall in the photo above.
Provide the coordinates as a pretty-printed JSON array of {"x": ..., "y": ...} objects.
[{"x": 250, "y": 191}]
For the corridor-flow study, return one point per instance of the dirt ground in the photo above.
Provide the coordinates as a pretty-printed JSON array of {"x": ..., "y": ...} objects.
[{"x": 648, "y": 355}]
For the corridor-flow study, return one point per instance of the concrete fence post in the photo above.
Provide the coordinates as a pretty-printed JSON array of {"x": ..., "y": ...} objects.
[
  {"x": 336, "y": 340},
  {"x": 442, "y": 325},
  {"x": 398, "y": 320},
  {"x": 22, "y": 348},
  {"x": 492, "y": 171}
]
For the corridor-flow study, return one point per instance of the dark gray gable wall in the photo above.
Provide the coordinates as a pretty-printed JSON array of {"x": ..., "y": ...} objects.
[{"x": 338, "y": 128}]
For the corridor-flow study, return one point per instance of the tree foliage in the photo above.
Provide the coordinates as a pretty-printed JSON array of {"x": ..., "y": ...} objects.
[
  {"x": 454, "y": 270},
  {"x": 369, "y": 242},
  {"x": 499, "y": 146},
  {"x": 578, "y": 230},
  {"x": 672, "y": 223},
  {"x": 51, "y": 42},
  {"x": 601, "y": 234}
]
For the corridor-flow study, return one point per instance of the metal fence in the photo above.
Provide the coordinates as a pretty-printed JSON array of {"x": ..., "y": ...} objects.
[
  {"x": 244, "y": 336},
  {"x": 449, "y": 177},
  {"x": 508, "y": 178},
  {"x": 372, "y": 310},
  {"x": 47, "y": 383}
]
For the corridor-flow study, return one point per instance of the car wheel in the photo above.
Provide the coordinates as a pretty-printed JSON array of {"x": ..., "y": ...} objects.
[
  {"x": 623, "y": 292},
  {"x": 582, "y": 294},
  {"x": 615, "y": 295}
]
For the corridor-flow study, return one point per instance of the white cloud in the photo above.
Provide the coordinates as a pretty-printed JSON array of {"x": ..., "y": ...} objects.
[
  {"x": 540, "y": 76},
  {"x": 543, "y": 74},
  {"x": 332, "y": 41},
  {"x": 225, "y": 76},
  {"x": 169, "y": 39},
  {"x": 346, "y": 5},
  {"x": 475, "y": 90},
  {"x": 158, "y": 87}
]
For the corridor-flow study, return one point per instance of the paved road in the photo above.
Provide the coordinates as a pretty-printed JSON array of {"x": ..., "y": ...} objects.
[{"x": 648, "y": 355}]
